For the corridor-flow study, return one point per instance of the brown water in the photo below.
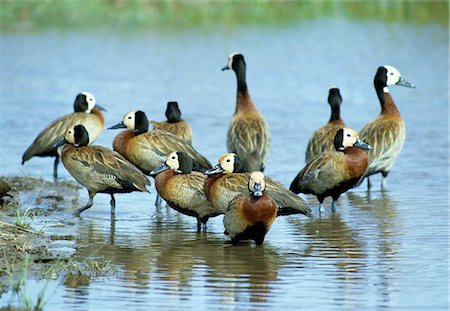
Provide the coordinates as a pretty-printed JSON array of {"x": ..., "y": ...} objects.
[{"x": 381, "y": 250}]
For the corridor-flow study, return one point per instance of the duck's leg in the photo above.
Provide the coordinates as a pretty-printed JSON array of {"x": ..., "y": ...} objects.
[
  {"x": 321, "y": 208},
  {"x": 199, "y": 225},
  {"x": 369, "y": 184},
  {"x": 383, "y": 179},
  {"x": 333, "y": 206},
  {"x": 88, "y": 205},
  {"x": 113, "y": 204},
  {"x": 55, "y": 167},
  {"x": 158, "y": 201}
]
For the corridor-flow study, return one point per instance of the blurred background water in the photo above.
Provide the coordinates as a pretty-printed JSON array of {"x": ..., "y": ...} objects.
[{"x": 381, "y": 250}]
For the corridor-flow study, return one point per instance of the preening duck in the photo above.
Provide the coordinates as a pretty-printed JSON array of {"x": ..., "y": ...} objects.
[
  {"x": 386, "y": 133},
  {"x": 99, "y": 169},
  {"x": 226, "y": 180},
  {"x": 334, "y": 172},
  {"x": 322, "y": 138},
  {"x": 248, "y": 133},
  {"x": 182, "y": 188},
  {"x": 86, "y": 112},
  {"x": 174, "y": 124},
  {"x": 250, "y": 216}
]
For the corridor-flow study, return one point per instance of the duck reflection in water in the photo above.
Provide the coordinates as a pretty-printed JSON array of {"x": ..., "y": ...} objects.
[
  {"x": 330, "y": 237},
  {"x": 174, "y": 258}
]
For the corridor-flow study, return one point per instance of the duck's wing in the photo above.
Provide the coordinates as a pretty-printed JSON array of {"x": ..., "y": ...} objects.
[
  {"x": 110, "y": 163},
  {"x": 287, "y": 202},
  {"x": 249, "y": 138},
  {"x": 386, "y": 137}
]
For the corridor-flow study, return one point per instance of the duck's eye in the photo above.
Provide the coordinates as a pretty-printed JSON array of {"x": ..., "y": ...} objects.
[
  {"x": 129, "y": 118},
  {"x": 174, "y": 157},
  {"x": 228, "y": 160},
  {"x": 348, "y": 135},
  {"x": 392, "y": 73}
]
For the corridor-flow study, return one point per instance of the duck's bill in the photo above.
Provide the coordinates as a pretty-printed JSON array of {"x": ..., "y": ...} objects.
[
  {"x": 162, "y": 168},
  {"x": 100, "y": 107},
  {"x": 403, "y": 82},
  {"x": 257, "y": 191},
  {"x": 360, "y": 144},
  {"x": 119, "y": 125},
  {"x": 60, "y": 143},
  {"x": 215, "y": 170}
]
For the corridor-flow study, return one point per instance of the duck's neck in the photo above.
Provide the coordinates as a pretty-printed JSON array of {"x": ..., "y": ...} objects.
[
  {"x": 161, "y": 180},
  {"x": 335, "y": 113},
  {"x": 97, "y": 112},
  {"x": 388, "y": 106},
  {"x": 243, "y": 99}
]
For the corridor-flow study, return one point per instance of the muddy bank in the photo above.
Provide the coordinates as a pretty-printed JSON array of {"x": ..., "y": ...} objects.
[{"x": 22, "y": 200}]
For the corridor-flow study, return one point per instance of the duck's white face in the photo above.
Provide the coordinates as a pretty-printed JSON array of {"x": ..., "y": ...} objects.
[
  {"x": 90, "y": 99},
  {"x": 393, "y": 75},
  {"x": 172, "y": 161},
  {"x": 257, "y": 178},
  {"x": 129, "y": 119},
  {"x": 227, "y": 162},
  {"x": 230, "y": 60},
  {"x": 349, "y": 138},
  {"x": 70, "y": 135}
]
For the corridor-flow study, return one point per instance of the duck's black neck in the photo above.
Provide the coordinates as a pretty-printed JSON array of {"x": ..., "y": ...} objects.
[
  {"x": 335, "y": 112},
  {"x": 379, "y": 88},
  {"x": 241, "y": 80}
]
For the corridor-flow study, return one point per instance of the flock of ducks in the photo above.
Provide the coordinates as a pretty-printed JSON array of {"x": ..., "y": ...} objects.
[{"x": 337, "y": 158}]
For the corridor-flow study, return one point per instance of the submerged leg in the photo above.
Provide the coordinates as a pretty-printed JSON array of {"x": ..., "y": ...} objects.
[
  {"x": 333, "y": 206},
  {"x": 199, "y": 225},
  {"x": 369, "y": 184},
  {"x": 88, "y": 205},
  {"x": 383, "y": 179},
  {"x": 321, "y": 208},
  {"x": 158, "y": 201},
  {"x": 55, "y": 167},
  {"x": 113, "y": 204}
]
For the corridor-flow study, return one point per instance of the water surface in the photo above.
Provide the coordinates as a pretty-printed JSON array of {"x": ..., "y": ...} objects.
[{"x": 381, "y": 250}]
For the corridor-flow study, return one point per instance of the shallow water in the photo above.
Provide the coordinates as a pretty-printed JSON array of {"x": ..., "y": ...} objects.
[{"x": 380, "y": 250}]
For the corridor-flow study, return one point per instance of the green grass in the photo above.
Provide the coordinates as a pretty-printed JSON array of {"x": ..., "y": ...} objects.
[{"x": 172, "y": 15}]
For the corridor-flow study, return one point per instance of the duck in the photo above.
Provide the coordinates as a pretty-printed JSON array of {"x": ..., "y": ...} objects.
[
  {"x": 322, "y": 138},
  {"x": 97, "y": 168},
  {"x": 387, "y": 132},
  {"x": 86, "y": 112},
  {"x": 182, "y": 188},
  {"x": 248, "y": 134},
  {"x": 148, "y": 149},
  {"x": 174, "y": 124},
  {"x": 227, "y": 179},
  {"x": 250, "y": 216},
  {"x": 334, "y": 172}
]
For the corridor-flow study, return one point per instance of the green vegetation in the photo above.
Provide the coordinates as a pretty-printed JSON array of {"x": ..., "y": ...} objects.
[{"x": 32, "y": 15}]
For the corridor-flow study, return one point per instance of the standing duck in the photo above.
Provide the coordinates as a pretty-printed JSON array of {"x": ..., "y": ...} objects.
[
  {"x": 87, "y": 112},
  {"x": 248, "y": 133},
  {"x": 250, "y": 216},
  {"x": 174, "y": 124},
  {"x": 226, "y": 180},
  {"x": 99, "y": 169},
  {"x": 322, "y": 138},
  {"x": 148, "y": 149},
  {"x": 334, "y": 172},
  {"x": 182, "y": 188},
  {"x": 387, "y": 132}
]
